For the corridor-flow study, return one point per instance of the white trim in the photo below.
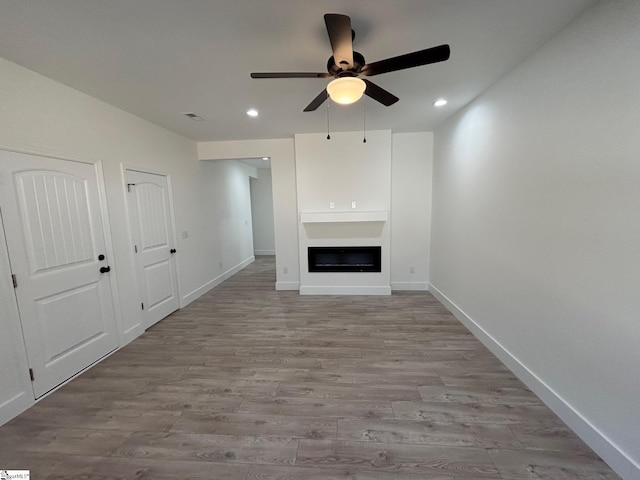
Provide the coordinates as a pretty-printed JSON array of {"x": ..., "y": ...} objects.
[
  {"x": 282, "y": 286},
  {"x": 55, "y": 154},
  {"x": 333, "y": 217},
  {"x": 410, "y": 286},
  {"x": 214, "y": 282},
  {"x": 15, "y": 406},
  {"x": 344, "y": 290},
  {"x": 24, "y": 399},
  {"x": 110, "y": 253},
  {"x": 264, "y": 252},
  {"x": 606, "y": 448}
]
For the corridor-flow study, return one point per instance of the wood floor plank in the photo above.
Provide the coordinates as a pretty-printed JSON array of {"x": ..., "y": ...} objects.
[
  {"x": 101, "y": 468},
  {"x": 380, "y": 392},
  {"x": 210, "y": 448},
  {"x": 528, "y": 464},
  {"x": 479, "y": 394},
  {"x": 256, "y": 424},
  {"x": 61, "y": 440},
  {"x": 316, "y": 407},
  {"x": 473, "y": 413},
  {"x": 427, "y": 433},
  {"x": 385, "y": 457}
]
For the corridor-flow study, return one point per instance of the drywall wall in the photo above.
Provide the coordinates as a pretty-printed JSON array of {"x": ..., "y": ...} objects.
[
  {"x": 264, "y": 242},
  {"x": 536, "y": 226},
  {"x": 212, "y": 203},
  {"x": 411, "y": 172}
]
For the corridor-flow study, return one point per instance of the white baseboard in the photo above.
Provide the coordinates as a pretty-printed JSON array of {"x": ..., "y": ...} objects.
[
  {"x": 15, "y": 406},
  {"x": 410, "y": 286},
  {"x": 344, "y": 290},
  {"x": 624, "y": 466},
  {"x": 264, "y": 252},
  {"x": 287, "y": 285},
  {"x": 198, "y": 292}
]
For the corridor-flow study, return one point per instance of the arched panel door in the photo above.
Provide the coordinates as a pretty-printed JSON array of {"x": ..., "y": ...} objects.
[{"x": 56, "y": 241}]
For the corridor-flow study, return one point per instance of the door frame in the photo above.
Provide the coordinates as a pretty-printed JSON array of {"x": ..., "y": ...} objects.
[
  {"x": 124, "y": 167},
  {"x": 25, "y": 398}
]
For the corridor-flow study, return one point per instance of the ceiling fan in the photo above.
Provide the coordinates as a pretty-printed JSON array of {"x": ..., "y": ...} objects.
[{"x": 346, "y": 65}]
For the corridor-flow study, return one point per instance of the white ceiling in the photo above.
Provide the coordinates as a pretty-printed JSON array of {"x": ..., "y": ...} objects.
[{"x": 159, "y": 58}]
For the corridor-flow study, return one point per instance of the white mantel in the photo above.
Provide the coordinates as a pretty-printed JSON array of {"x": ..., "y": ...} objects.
[{"x": 343, "y": 217}]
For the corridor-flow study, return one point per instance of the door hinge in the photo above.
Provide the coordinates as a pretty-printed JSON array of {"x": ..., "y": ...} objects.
[
  {"x": 31, "y": 375},
  {"x": 142, "y": 304},
  {"x": 15, "y": 280},
  {"x": 135, "y": 248},
  {"x": 129, "y": 185}
]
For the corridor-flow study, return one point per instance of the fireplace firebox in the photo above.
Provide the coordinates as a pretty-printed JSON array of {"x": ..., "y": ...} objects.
[{"x": 345, "y": 259}]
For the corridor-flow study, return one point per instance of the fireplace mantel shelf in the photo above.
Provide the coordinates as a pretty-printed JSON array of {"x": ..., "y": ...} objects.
[{"x": 344, "y": 217}]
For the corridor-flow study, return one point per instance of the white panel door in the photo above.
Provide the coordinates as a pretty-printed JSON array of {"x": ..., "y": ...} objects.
[
  {"x": 56, "y": 240},
  {"x": 152, "y": 231}
]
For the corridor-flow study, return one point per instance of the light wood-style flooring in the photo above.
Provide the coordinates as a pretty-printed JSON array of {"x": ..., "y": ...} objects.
[{"x": 247, "y": 383}]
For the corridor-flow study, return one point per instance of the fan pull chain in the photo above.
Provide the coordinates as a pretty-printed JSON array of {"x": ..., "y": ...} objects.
[
  {"x": 364, "y": 125},
  {"x": 328, "y": 136}
]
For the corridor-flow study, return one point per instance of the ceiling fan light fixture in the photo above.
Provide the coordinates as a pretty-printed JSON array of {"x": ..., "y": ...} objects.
[{"x": 346, "y": 90}]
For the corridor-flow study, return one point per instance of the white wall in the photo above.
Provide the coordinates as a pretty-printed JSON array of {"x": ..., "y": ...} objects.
[
  {"x": 264, "y": 242},
  {"x": 411, "y": 171},
  {"x": 536, "y": 225},
  {"x": 212, "y": 202}
]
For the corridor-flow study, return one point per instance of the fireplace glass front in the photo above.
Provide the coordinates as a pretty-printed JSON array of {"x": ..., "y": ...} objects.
[{"x": 345, "y": 259}]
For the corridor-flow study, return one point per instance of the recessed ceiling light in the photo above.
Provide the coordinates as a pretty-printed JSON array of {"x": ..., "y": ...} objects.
[
  {"x": 252, "y": 112},
  {"x": 441, "y": 102},
  {"x": 265, "y": 158}
]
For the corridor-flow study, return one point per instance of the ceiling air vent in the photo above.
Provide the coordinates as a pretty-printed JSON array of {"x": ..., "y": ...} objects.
[{"x": 193, "y": 116}]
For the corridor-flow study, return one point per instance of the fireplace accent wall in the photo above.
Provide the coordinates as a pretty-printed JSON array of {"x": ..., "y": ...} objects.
[{"x": 345, "y": 259}]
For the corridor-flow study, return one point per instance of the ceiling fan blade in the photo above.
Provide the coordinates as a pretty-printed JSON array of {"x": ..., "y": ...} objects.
[
  {"x": 379, "y": 94},
  {"x": 290, "y": 75},
  {"x": 409, "y": 60},
  {"x": 340, "y": 36},
  {"x": 316, "y": 102}
]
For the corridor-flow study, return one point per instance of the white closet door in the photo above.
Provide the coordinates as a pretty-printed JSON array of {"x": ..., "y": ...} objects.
[
  {"x": 53, "y": 224},
  {"x": 152, "y": 230}
]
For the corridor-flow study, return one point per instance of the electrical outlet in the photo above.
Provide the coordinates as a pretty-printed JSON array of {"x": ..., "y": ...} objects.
[
  {"x": 332, "y": 204},
  {"x": 285, "y": 270},
  {"x": 353, "y": 204},
  {"x": 185, "y": 234},
  {"x": 412, "y": 269}
]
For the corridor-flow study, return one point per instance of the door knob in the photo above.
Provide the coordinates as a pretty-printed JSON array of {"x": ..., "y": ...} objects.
[
  {"x": 105, "y": 269},
  {"x": 173, "y": 250}
]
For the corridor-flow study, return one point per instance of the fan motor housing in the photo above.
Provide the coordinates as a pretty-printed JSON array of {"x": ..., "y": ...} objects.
[{"x": 337, "y": 71}]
